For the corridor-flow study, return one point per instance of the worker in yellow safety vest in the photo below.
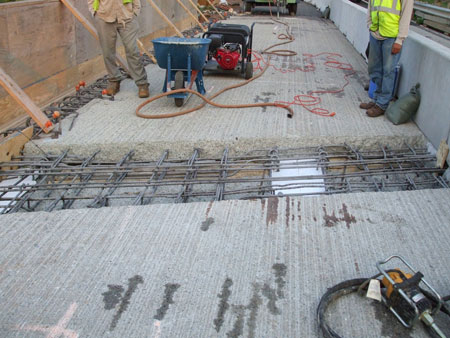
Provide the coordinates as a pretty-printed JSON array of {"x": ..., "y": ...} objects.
[
  {"x": 388, "y": 22},
  {"x": 119, "y": 17}
]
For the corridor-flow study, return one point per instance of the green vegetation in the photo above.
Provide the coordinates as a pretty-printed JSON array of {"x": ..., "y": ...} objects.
[
  {"x": 418, "y": 20},
  {"x": 440, "y": 3}
]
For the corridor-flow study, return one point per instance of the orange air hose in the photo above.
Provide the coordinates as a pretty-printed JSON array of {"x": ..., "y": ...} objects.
[{"x": 208, "y": 100}]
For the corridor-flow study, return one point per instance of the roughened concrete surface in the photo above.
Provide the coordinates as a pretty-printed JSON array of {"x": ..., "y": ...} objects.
[
  {"x": 234, "y": 268},
  {"x": 112, "y": 126}
]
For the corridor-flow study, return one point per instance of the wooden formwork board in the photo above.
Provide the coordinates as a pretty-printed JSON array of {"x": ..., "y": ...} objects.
[
  {"x": 25, "y": 102},
  {"x": 442, "y": 154},
  {"x": 212, "y": 5},
  {"x": 91, "y": 29},
  {"x": 165, "y": 18},
  {"x": 192, "y": 15},
  {"x": 198, "y": 10},
  {"x": 13, "y": 145}
]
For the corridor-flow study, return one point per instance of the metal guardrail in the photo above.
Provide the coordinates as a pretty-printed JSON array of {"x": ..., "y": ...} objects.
[
  {"x": 440, "y": 12},
  {"x": 433, "y": 16}
]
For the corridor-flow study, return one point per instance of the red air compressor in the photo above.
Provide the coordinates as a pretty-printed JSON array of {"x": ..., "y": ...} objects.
[{"x": 230, "y": 49}]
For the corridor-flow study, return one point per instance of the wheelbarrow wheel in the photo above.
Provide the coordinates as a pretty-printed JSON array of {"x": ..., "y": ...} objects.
[
  {"x": 248, "y": 70},
  {"x": 179, "y": 84}
]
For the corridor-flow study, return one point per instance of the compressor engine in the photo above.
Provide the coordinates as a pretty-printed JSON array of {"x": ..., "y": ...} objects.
[
  {"x": 230, "y": 49},
  {"x": 227, "y": 56}
]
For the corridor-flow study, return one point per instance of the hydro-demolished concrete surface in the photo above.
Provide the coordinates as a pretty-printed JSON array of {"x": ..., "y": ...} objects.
[
  {"x": 225, "y": 269},
  {"x": 113, "y": 127}
]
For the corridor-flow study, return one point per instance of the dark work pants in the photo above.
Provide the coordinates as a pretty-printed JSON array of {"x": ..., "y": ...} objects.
[{"x": 107, "y": 33}]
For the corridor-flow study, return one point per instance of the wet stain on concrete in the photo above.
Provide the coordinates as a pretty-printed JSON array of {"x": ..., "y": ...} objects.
[
  {"x": 169, "y": 291},
  {"x": 238, "y": 328},
  {"x": 332, "y": 220},
  {"x": 249, "y": 313},
  {"x": 361, "y": 78},
  {"x": 390, "y": 326},
  {"x": 112, "y": 297},
  {"x": 116, "y": 295},
  {"x": 223, "y": 305},
  {"x": 271, "y": 295},
  {"x": 295, "y": 65},
  {"x": 263, "y": 205},
  {"x": 348, "y": 219},
  {"x": 208, "y": 209},
  {"x": 272, "y": 210},
  {"x": 265, "y": 97},
  {"x": 395, "y": 219},
  {"x": 262, "y": 99},
  {"x": 206, "y": 224},
  {"x": 280, "y": 271},
  {"x": 253, "y": 306},
  {"x": 299, "y": 211},
  {"x": 337, "y": 92},
  {"x": 288, "y": 211}
]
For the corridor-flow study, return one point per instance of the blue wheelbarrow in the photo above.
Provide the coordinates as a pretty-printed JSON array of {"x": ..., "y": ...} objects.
[{"x": 183, "y": 59}]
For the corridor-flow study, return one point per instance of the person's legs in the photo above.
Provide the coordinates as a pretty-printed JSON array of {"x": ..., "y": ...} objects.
[
  {"x": 107, "y": 36},
  {"x": 128, "y": 34},
  {"x": 390, "y": 61},
  {"x": 375, "y": 65}
]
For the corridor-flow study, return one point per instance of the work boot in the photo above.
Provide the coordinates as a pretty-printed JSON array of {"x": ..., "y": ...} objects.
[
  {"x": 375, "y": 111},
  {"x": 113, "y": 88},
  {"x": 366, "y": 105},
  {"x": 143, "y": 91}
]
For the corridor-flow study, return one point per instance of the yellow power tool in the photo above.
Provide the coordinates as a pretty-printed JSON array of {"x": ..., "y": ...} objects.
[{"x": 406, "y": 299}]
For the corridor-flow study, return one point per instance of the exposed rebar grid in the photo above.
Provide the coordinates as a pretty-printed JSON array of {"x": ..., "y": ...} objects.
[{"x": 65, "y": 181}]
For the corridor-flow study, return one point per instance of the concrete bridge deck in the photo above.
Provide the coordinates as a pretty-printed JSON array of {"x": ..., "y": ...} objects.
[
  {"x": 112, "y": 126},
  {"x": 231, "y": 268},
  {"x": 227, "y": 269}
]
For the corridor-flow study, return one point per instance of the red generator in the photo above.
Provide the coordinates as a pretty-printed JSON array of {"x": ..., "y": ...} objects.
[{"x": 230, "y": 49}]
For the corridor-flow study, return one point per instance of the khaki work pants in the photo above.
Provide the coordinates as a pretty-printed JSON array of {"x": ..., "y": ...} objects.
[{"x": 107, "y": 32}]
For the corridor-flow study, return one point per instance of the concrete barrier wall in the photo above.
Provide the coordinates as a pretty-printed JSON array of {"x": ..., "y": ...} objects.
[
  {"x": 428, "y": 63},
  {"x": 320, "y": 4},
  {"x": 47, "y": 51},
  {"x": 423, "y": 61},
  {"x": 349, "y": 18}
]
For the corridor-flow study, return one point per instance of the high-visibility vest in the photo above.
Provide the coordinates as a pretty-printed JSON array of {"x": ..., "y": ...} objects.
[
  {"x": 385, "y": 16},
  {"x": 96, "y": 4}
]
